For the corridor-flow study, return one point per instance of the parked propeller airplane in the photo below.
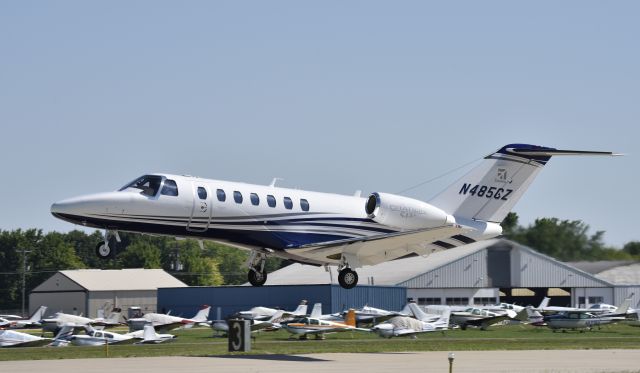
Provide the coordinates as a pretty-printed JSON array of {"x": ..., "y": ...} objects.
[{"x": 311, "y": 227}]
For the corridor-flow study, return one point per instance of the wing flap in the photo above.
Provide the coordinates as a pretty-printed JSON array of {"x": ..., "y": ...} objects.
[{"x": 384, "y": 247}]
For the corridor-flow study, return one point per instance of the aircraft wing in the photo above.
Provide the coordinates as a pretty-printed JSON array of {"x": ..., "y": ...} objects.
[
  {"x": 380, "y": 248},
  {"x": 487, "y": 321}
]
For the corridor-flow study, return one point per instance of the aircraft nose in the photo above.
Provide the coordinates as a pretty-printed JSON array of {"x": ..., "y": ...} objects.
[{"x": 83, "y": 205}]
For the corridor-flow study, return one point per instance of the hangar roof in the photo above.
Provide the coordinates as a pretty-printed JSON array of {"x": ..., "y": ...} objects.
[
  {"x": 110, "y": 280},
  {"x": 387, "y": 273},
  {"x": 601, "y": 265},
  {"x": 463, "y": 266}
]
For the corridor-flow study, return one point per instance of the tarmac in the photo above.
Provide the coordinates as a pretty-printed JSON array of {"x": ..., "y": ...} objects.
[{"x": 465, "y": 361}]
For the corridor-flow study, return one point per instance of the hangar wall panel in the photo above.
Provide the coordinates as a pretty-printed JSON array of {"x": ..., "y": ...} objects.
[
  {"x": 469, "y": 271},
  {"x": 58, "y": 282},
  {"x": 537, "y": 270},
  {"x": 231, "y": 299},
  {"x": 67, "y": 302},
  {"x": 622, "y": 292},
  {"x": 145, "y": 299},
  {"x": 387, "y": 297}
]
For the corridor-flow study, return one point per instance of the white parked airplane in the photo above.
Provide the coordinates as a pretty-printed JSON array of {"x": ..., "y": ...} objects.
[
  {"x": 53, "y": 324},
  {"x": 12, "y": 338},
  {"x": 95, "y": 337},
  {"x": 265, "y": 313},
  {"x": 149, "y": 336},
  {"x": 399, "y": 326},
  {"x": 17, "y": 322},
  {"x": 164, "y": 322},
  {"x": 310, "y": 227}
]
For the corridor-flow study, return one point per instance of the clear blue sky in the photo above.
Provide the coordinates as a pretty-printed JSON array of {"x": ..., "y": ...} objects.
[{"x": 329, "y": 95}]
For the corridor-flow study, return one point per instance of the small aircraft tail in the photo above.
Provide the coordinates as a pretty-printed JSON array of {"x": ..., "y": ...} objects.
[
  {"x": 301, "y": 310},
  {"x": 350, "y": 319},
  {"x": 202, "y": 315},
  {"x": 316, "y": 312},
  {"x": 489, "y": 191},
  {"x": 64, "y": 335},
  {"x": 38, "y": 315},
  {"x": 418, "y": 313},
  {"x": 114, "y": 316},
  {"x": 149, "y": 333},
  {"x": 443, "y": 321},
  {"x": 544, "y": 303},
  {"x": 624, "y": 306}
]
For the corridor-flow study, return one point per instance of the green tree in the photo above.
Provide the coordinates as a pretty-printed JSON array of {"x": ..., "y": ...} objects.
[
  {"x": 632, "y": 248},
  {"x": 141, "y": 254}
]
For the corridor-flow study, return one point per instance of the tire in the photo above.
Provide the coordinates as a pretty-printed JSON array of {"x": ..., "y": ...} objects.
[
  {"x": 104, "y": 251},
  {"x": 348, "y": 278},
  {"x": 257, "y": 278}
]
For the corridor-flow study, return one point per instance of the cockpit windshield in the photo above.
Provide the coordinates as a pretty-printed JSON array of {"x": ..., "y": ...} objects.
[{"x": 149, "y": 184}]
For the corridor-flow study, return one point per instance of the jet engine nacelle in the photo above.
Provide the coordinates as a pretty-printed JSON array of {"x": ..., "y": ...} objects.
[{"x": 405, "y": 213}]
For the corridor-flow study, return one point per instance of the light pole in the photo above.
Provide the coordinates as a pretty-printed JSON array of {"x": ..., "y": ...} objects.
[
  {"x": 451, "y": 357},
  {"x": 24, "y": 274}
]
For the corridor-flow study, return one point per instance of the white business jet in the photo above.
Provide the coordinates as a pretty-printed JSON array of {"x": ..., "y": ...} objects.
[{"x": 311, "y": 227}]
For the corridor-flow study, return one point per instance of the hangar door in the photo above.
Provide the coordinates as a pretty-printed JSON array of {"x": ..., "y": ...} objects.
[{"x": 499, "y": 267}]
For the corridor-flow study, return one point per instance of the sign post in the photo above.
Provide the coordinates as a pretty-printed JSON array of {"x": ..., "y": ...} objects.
[{"x": 239, "y": 335}]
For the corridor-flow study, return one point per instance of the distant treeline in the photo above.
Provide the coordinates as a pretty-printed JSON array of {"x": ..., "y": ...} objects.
[{"x": 221, "y": 265}]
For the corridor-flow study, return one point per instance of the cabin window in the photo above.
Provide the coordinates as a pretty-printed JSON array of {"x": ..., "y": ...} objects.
[
  {"x": 169, "y": 188},
  {"x": 149, "y": 184},
  {"x": 222, "y": 196},
  {"x": 237, "y": 196},
  {"x": 304, "y": 205},
  {"x": 271, "y": 200},
  {"x": 288, "y": 203},
  {"x": 255, "y": 200},
  {"x": 202, "y": 193}
]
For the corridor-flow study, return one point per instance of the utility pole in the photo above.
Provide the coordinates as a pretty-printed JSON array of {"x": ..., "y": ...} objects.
[{"x": 24, "y": 281}]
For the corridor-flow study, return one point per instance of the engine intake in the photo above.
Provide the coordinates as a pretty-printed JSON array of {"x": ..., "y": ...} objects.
[{"x": 405, "y": 213}]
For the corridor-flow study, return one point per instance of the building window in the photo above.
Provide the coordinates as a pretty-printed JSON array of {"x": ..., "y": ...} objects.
[
  {"x": 237, "y": 196},
  {"x": 202, "y": 193},
  {"x": 222, "y": 196},
  {"x": 457, "y": 301},
  {"x": 429, "y": 301},
  {"x": 255, "y": 200},
  {"x": 596, "y": 300},
  {"x": 304, "y": 205},
  {"x": 170, "y": 188},
  {"x": 271, "y": 200},
  {"x": 484, "y": 301},
  {"x": 288, "y": 204}
]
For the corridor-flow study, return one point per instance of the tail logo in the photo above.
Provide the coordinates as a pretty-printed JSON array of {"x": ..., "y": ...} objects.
[{"x": 502, "y": 175}]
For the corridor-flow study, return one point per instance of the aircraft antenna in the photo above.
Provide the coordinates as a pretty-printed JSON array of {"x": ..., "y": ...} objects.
[
  {"x": 439, "y": 176},
  {"x": 274, "y": 181}
]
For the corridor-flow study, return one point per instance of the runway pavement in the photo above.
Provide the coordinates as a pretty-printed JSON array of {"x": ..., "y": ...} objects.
[{"x": 465, "y": 361}]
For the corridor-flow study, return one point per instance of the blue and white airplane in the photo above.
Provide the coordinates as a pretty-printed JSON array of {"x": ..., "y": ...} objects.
[{"x": 310, "y": 227}]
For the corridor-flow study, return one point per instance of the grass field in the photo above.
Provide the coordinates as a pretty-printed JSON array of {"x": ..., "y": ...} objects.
[{"x": 199, "y": 342}]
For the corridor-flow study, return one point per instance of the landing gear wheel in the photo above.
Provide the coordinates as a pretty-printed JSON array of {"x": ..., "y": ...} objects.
[
  {"x": 257, "y": 277},
  {"x": 103, "y": 250},
  {"x": 348, "y": 278}
]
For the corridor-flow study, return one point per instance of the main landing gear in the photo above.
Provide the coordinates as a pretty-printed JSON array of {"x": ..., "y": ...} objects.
[
  {"x": 257, "y": 276},
  {"x": 347, "y": 278},
  {"x": 107, "y": 249}
]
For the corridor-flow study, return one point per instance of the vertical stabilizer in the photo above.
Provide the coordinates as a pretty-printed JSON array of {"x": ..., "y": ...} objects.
[
  {"x": 38, "y": 315},
  {"x": 489, "y": 191},
  {"x": 418, "y": 313},
  {"x": 316, "y": 312},
  {"x": 202, "y": 315},
  {"x": 544, "y": 304},
  {"x": 302, "y": 309}
]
